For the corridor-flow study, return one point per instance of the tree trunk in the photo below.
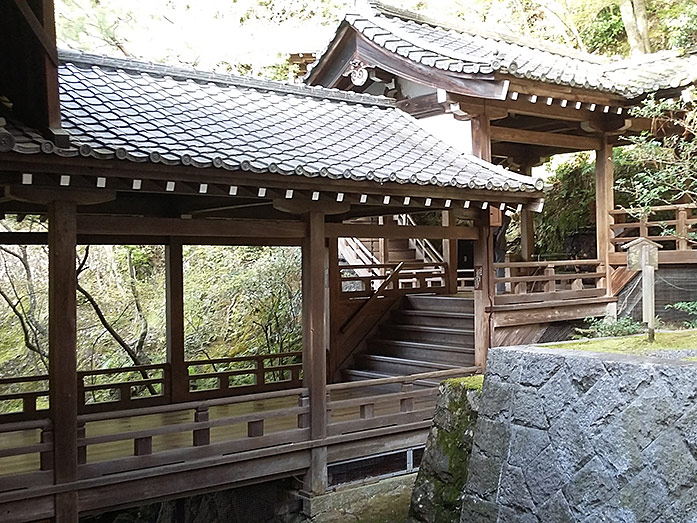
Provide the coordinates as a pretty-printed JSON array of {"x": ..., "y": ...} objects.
[{"x": 636, "y": 25}]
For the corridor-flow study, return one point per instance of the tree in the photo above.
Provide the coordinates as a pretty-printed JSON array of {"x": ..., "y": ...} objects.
[
  {"x": 668, "y": 155},
  {"x": 636, "y": 25}
]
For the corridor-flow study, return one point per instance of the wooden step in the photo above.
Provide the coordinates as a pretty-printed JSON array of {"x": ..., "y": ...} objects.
[
  {"x": 402, "y": 254},
  {"x": 461, "y": 356},
  {"x": 398, "y": 366},
  {"x": 451, "y": 320},
  {"x": 441, "y": 303},
  {"x": 425, "y": 334},
  {"x": 398, "y": 244}
]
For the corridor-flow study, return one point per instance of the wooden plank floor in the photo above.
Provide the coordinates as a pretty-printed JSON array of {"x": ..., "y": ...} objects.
[{"x": 119, "y": 449}]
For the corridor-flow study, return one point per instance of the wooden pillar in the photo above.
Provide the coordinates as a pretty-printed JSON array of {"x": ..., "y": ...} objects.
[
  {"x": 315, "y": 315},
  {"x": 484, "y": 289},
  {"x": 174, "y": 274},
  {"x": 334, "y": 296},
  {"x": 604, "y": 203},
  {"x": 527, "y": 226},
  {"x": 450, "y": 253},
  {"x": 62, "y": 309}
]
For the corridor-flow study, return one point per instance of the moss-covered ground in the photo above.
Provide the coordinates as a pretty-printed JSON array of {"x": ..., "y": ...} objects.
[
  {"x": 469, "y": 382},
  {"x": 637, "y": 345}
]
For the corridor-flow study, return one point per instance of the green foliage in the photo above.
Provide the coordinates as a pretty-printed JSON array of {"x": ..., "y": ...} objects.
[
  {"x": 668, "y": 167},
  {"x": 608, "y": 328},
  {"x": 607, "y": 34},
  {"x": 688, "y": 307},
  {"x": 570, "y": 202}
]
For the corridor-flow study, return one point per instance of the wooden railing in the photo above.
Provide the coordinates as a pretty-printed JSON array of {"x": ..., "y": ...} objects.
[
  {"x": 26, "y": 398},
  {"x": 530, "y": 282},
  {"x": 171, "y": 434},
  {"x": 26, "y": 454},
  {"x": 414, "y": 276},
  {"x": 123, "y": 388},
  {"x": 401, "y": 402},
  {"x": 215, "y": 378},
  {"x": 465, "y": 280},
  {"x": 19, "y": 397},
  {"x": 672, "y": 226}
]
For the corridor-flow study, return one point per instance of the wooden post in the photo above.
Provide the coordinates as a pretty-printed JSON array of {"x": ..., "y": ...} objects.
[
  {"x": 178, "y": 375},
  {"x": 648, "y": 300},
  {"x": 450, "y": 254},
  {"x": 314, "y": 296},
  {"x": 604, "y": 203},
  {"x": 62, "y": 311},
  {"x": 483, "y": 290},
  {"x": 681, "y": 230},
  {"x": 334, "y": 296},
  {"x": 527, "y": 227},
  {"x": 481, "y": 148}
]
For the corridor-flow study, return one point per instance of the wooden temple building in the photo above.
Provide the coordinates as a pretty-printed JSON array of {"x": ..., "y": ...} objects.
[{"x": 124, "y": 152}]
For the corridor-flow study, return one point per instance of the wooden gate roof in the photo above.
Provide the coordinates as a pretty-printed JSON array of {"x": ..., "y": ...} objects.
[
  {"x": 468, "y": 52},
  {"x": 144, "y": 113}
]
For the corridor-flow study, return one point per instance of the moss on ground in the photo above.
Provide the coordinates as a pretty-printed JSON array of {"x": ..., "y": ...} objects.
[
  {"x": 469, "y": 382},
  {"x": 636, "y": 345}
]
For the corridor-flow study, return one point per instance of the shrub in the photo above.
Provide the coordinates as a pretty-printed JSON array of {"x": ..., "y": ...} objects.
[
  {"x": 688, "y": 307},
  {"x": 608, "y": 328}
]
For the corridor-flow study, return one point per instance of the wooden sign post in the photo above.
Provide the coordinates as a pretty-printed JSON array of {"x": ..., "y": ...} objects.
[{"x": 642, "y": 255}]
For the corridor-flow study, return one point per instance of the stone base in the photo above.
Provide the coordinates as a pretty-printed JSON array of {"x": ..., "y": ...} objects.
[
  {"x": 571, "y": 436},
  {"x": 385, "y": 500}
]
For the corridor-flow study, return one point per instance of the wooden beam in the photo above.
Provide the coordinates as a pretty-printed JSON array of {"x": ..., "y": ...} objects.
[
  {"x": 358, "y": 230},
  {"x": 604, "y": 203},
  {"x": 539, "y": 109},
  {"x": 201, "y": 228},
  {"x": 315, "y": 342},
  {"x": 174, "y": 277},
  {"x": 48, "y": 41},
  {"x": 527, "y": 227},
  {"x": 567, "y": 141},
  {"x": 62, "y": 324},
  {"x": 115, "y": 168},
  {"x": 483, "y": 290}
]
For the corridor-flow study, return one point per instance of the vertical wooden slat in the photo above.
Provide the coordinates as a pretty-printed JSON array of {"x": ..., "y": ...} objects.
[
  {"x": 605, "y": 202},
  {"x": 255, "y": 428},
  {"x": 681, "y": 230},
  {"x": 46, "y": 458},
  {"x": 62, "y": 280},
  {"x": 142, "y": 446},
  {"x": 315, "y": 306},
  {"x": 407, "y": 404},
  {"x": 202, "y": 436},
  {"x": 178, "y": 375},
  {"x": 550, "y": 285}
]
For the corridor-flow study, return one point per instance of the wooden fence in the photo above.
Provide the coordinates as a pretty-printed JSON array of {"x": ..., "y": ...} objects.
[{"x": 674, "y": 227}]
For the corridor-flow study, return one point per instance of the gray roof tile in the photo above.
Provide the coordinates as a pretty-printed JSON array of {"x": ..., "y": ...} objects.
[
  {"x": 143, "y": 112},
  {"x": 470, "y": 50}
]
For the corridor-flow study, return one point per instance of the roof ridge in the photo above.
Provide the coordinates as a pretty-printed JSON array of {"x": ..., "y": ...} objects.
[
  {"x": 228, "y": 80},
  {"x": 461, "y": 27}
]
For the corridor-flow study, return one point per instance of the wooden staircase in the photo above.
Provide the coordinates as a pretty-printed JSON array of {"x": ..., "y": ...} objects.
[{"x": 430, "y": 333}]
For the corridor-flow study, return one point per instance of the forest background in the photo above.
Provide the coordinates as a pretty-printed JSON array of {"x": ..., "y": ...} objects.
[{"x": 246, "y": 300}]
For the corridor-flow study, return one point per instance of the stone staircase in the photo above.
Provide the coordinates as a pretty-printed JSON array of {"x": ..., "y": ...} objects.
[{"x": 429, "y": 333}]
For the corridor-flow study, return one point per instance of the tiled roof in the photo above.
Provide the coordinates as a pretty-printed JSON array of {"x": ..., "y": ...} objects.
[
  {"x": 141, "y": 112},
  {"x": 463, "y": 49}
]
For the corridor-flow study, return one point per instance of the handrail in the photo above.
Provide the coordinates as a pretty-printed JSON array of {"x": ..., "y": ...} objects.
[
  {"x": 656, "y": 208},
  {"x": 387, "y": 281},
  {"x": 411, "y": 378},
  {"x": 428, "y": 252},
  {"x": 190, "y": 405},
  {"x": 543, "y": 264},
  {"x": 353, "y": 249}
]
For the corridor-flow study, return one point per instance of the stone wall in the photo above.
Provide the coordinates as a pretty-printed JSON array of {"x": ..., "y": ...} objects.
[
  {"x": 436, "y": 497},
  {"x": 566, "y": 436}
]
